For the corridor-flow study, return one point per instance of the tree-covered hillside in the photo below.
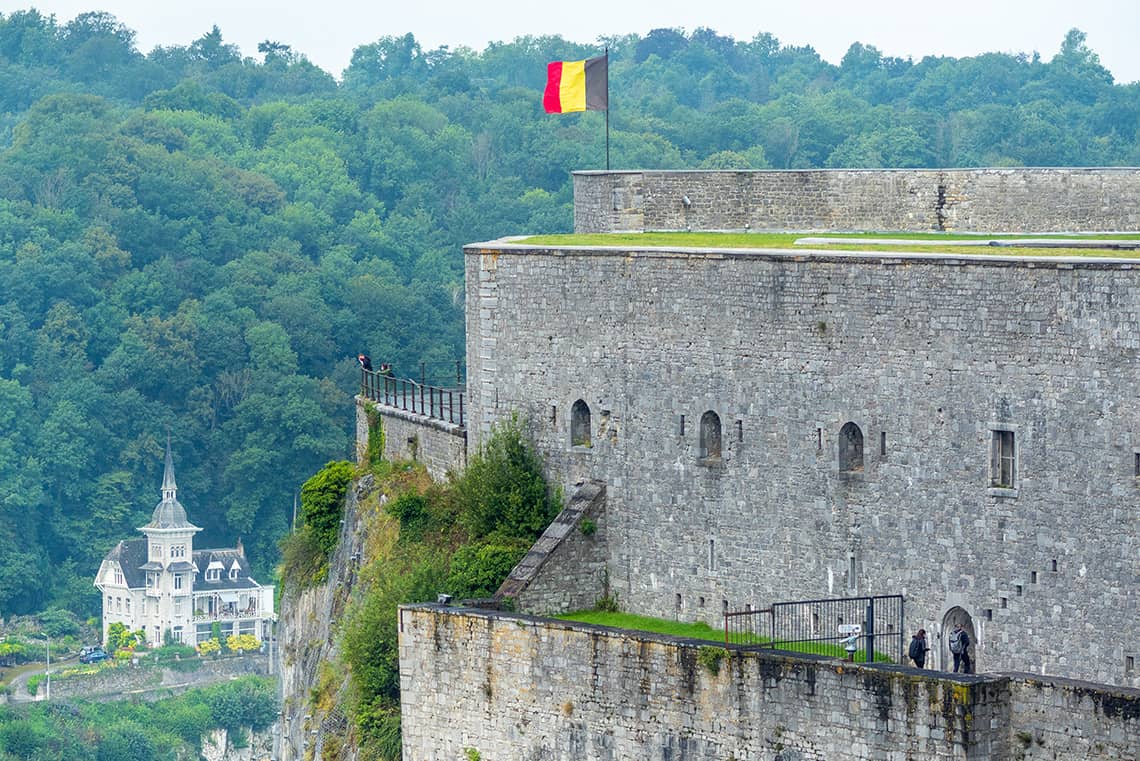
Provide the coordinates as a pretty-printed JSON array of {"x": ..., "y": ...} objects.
[{"x": 199, "y": 242}]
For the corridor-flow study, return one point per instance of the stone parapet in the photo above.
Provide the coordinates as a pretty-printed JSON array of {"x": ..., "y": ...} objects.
[{"x": 990, "y": 200}]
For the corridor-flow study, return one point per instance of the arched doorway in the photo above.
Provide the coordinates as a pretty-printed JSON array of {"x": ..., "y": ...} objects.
[{"x": 954, "y": 616}]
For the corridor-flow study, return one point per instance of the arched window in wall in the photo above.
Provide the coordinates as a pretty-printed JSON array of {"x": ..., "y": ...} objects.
[
  {"x": 580, "y": 424},
  {"x": 850, "y": 449},
  {"x": 710, "y": 435}
]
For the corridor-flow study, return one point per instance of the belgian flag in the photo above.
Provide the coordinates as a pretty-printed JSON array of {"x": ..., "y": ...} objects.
[{"x": 577, "y": 86}]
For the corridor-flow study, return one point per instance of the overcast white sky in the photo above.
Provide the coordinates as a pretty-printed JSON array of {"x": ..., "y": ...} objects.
[{"x": 327, "y": 30}]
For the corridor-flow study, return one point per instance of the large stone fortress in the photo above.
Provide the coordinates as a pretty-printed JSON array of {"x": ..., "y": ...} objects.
[
  {"x": 781, "y": 425},
  {"x": 752, "y": 426}
]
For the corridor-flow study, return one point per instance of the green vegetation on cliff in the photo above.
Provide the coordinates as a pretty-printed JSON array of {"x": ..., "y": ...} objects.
[{"x": 422, "y": 539}]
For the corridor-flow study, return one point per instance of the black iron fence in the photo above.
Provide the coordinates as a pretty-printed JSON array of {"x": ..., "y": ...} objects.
[
  {"x": 405, "y": 394},
  {"x": 870, "y": 627}
]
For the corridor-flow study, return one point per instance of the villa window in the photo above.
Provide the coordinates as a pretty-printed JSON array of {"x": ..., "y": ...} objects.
[
  {"x": 710, "y": 447},
  {"x": 178, "y": 581},
  {"x": 850, "y": 449},
  {"x": 580, "y": 424},
  {"x": 213, "y": 574},
  {"x": 234, "y": 572}
]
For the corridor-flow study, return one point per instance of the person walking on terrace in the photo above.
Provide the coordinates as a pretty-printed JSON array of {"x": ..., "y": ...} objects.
[{"x": 918, "y": 648}]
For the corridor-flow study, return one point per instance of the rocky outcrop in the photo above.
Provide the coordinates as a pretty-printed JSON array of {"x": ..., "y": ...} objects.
[{"x": 308, "y": 636}]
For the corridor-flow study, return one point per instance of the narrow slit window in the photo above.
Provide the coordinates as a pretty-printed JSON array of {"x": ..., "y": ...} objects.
[
  {"x": 1003, "y": 464},
  {"x": 883, "y": 443}
]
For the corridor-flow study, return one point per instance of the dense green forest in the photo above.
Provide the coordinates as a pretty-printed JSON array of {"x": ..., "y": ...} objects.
[{"x": 198, "y": 242}]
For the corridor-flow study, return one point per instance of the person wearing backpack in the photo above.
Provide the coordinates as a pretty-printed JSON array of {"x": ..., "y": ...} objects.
[
  {"x": 960, "y": 649},
  {"x": 918, "y": 648}
]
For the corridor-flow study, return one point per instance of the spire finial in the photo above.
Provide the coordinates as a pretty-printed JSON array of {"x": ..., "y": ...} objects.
[{"x": 169, "y": 487}]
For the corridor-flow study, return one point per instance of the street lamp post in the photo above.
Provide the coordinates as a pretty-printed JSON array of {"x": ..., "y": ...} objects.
[{"x": 47, "y": 692}]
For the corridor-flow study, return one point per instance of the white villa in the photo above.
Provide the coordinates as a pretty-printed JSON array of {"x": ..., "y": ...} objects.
[{"x": 160, "y": 583}]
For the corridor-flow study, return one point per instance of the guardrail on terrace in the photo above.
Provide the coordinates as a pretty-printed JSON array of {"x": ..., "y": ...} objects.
[
  {"x": 824, "y": 626},
  {"x": 434, "y": 402}
]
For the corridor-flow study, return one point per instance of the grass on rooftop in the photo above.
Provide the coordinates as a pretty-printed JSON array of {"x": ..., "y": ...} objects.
[
  {"x": 702, "y": 631},
  {"x": 857, "y": 242}
]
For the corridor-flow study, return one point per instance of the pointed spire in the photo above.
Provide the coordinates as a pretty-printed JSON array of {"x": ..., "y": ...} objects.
[
  {"x": 169, "y": 513},
  {"x": 169, "y": 487}
]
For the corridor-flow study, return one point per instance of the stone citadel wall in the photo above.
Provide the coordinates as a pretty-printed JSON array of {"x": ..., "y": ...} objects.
[
  {"x": 930, "y": 358},
  {"x": 516, "y": 687},
  {"x": 958, "y": 200}
]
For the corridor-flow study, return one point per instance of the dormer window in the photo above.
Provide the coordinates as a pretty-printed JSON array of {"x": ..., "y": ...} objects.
[
  {"x": 213, "y": 574},
  {"x": 234, "y": 571}
]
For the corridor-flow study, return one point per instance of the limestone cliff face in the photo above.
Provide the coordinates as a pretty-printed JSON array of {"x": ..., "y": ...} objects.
[
  {"x": 308, "y": 636},
  {"x": 256, "y": 746}
]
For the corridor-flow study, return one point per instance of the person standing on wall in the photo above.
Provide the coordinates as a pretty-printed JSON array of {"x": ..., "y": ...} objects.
[
  {"x": 918, "y": 648},
  {"x": 960, "y": 649}
]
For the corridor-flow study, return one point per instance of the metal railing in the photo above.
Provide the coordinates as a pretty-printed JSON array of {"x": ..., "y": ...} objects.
[
  {"x": 824, "y": 626},
  {"x": 227, "y": 613},
  {"x": 432, "y": 402}
]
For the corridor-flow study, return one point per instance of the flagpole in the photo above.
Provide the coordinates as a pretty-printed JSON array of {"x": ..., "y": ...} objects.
[{"x": 607, "y": 108}]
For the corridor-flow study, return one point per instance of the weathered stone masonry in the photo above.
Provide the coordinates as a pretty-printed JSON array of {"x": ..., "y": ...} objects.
[
  {"x": 962, "y": 200},
  {"x": 439, "y": 445},
  {"x": 516, "y": 687},
  {"x": 928, "y": 355}
]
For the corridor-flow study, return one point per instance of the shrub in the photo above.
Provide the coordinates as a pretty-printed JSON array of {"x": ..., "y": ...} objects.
[
  {"x": 477, "y": 570},
  {"x": 412, "y": 511},
  {"x": 710, "y": 658},
  {"x": 59, "y": 623},
  {"x": 503, "y": 490},
  {"x": 173, "y": 652},
  {"x": 245, "y": 643},
  {"x": 243, "y": 703},
  {"x": 322, "y": 504},
  {"x": 119, "y": 638},
  {"x": 210, "y": 647}
]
